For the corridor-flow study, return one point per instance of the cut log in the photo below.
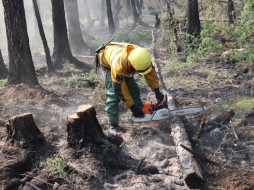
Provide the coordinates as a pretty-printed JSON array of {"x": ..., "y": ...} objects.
[
  {"x": 23, "y": 130},
  {"x": 83, "y": 126}
]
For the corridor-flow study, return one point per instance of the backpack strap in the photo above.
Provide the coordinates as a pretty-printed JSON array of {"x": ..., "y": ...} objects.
[{"x": 97, "y": 51}]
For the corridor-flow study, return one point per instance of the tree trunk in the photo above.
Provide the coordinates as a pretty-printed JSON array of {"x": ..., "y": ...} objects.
[
  {"x": 20, "y": 59},
  {"x": 3, "y": 70},
  {"x": 43, "y": 37},
  {"x": 22, "y": 129},
  {"x": 111, "y": 24},
  {"x": 102, "y": 13},
  {"x": 74, "y": 30},
  {"x": 117, "y": 9},
  {"x": 139, "y": 5},
  {"x": 83, "y": 127},
  {"x": 61, "y": 50},
  {"x": 87, "y": 12},
  {"x": 231, "y": 12},
  {"x": 136, "y": 16},
  {"x": 193, "y": 18},
  {"x": 128, "y": 6}
]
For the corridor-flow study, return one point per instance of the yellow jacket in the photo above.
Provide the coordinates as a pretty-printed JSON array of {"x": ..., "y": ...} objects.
[{"x": 115, "y": 57}]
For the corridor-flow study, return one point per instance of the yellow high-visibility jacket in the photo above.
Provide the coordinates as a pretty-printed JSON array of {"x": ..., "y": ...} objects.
[{"x": 115, "y": 57}]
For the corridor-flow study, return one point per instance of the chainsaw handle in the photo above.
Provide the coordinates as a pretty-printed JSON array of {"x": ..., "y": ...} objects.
[{"x": 163, "y": 102}]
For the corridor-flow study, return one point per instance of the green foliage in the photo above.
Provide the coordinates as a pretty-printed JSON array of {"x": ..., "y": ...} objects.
[
  {"x": 55, "y": 167},
  {"x": 245, "y": 33},
  {"x": 246, "y": 56},
  {"x": 139, "y": 37},
  {"x": 120, "y": 37},
  {"x": 3, "y": 82},
  {"x": 248, "y": 11},
  {"x": 192, "y": 58},
  {"x": 2, "y": 122},
  {"x": 209, "y": 45},
  {"x": 209, "y": 42},
  {"x": 174, "y": 68},
  {"x": 215, "y": 28},
  {"x": 241, "y": 107},
  {"x": 82, "y": 81}
]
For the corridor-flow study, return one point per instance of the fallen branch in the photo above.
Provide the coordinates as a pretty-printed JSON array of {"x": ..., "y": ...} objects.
[
  {"x": 136, "y": 168},
  {"x": 199, "y": 131},
  {"x": 33, "y": 186},
  {"x": 132, "y": 171},
  {"x": 202, "y": 158},
  {"x": 219, "y": 121}
]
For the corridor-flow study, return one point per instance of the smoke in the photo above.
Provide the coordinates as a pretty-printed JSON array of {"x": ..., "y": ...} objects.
[
  {"x": 3, "y": 39},
  {"x": 32, "y": 26}
]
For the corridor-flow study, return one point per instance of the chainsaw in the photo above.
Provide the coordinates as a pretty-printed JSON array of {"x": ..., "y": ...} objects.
[{"x": 155, "y": 112}]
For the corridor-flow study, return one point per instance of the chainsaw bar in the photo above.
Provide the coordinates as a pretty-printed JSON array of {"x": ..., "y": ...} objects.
[
  {"x": 186, "y": 111},
  {"x": 164, "y": 113}
]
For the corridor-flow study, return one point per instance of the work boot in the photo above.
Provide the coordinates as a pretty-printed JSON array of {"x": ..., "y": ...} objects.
[{"x": 116, "y": 129}]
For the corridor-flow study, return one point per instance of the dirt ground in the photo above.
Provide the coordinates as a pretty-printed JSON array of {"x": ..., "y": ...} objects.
[{"x": 141, "y": 157}]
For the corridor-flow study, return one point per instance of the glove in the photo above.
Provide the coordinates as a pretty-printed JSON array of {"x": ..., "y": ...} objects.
[
  {"x": 136, "y": 112},
  {"x": 159, "y": 96}
]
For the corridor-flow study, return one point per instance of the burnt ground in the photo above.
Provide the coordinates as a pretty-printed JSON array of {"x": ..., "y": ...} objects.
[{"x": 143, "y": 156}]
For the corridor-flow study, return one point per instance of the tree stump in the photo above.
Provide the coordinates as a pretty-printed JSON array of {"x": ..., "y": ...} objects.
[
  {"x": 22, "y": 129},
  {"x": 83, "y": 126}
]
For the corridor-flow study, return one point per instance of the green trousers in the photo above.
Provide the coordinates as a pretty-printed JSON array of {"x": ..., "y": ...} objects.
[{"x": 112, "y": 102}]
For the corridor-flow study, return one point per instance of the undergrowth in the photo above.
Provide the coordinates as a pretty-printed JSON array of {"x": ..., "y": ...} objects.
[
  {"x": 54, "y": 167},
  {"x": 3, "y": 82},
  {"x": 241, "y": 106},
  {"x": 84, "y": 80}
]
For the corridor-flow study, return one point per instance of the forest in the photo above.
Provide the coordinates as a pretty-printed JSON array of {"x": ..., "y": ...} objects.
[{"x": 54, "y": 133}]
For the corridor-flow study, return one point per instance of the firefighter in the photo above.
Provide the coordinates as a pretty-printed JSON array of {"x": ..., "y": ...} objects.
[{"x": 120, "y": 61}]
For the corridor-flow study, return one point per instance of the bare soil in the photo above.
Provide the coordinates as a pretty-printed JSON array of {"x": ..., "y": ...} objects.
[{"x": 141, "y": 157}]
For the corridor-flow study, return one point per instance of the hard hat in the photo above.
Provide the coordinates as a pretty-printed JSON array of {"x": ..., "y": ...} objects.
[{"x": 140, "y": 59}]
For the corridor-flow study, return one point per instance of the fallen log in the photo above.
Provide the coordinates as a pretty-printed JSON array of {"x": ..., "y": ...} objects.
[
  {"x": 83, "y": 127},
  {"x": 23, "y": 130},
  {"x": 190, "y": 169}
]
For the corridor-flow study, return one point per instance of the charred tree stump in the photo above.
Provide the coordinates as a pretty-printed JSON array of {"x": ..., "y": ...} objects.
[
  {"x": 83, "y": 126},
  {"x": 22, "y": 129}
]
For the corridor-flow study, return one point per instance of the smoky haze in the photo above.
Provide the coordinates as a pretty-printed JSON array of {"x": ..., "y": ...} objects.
[
  {"x": 90, "y": 12},
  {"x": 32, "y": 27},
  {"x": 3, "y": 39}
]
